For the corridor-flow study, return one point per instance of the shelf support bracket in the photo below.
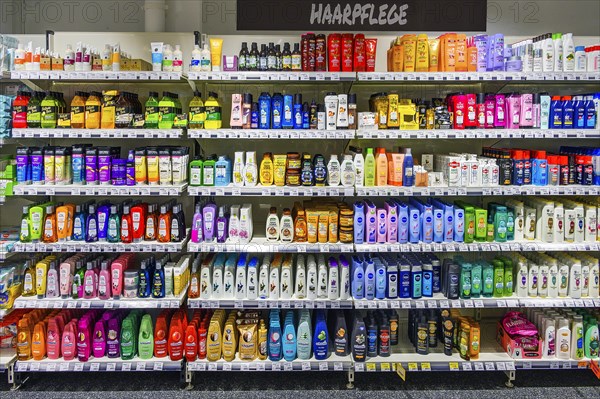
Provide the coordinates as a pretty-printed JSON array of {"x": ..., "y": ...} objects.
[
  {"x": 15, "y": 378},
  {"x": 350, "y": 374},
  {"x": 188, "y": 377},
  {"x": 511, "y": 374}
]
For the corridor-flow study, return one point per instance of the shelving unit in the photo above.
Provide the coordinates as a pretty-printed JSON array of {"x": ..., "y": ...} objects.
[
  {"x": 59, "y": 133},
  {"x": 492, "y": 358},
  {"x": 81, "y": 189}
]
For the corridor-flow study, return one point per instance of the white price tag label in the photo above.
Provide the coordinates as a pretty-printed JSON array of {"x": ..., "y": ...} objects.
[
  {"x": 489, "y": 366},
  {"x": 212, "y": 366},
  {"x": 94, "y": 366},
  {"x": 63, "y": 367},
  {"x": 305, "y": 366},
  {"x": 406, "y": 304},
  {"x": 126, "y": 366},
  {"x": 51, "y": 367},
  {"x": 158, "y": 366},
  {"x": 78, "y": 367},
  {"x": 478, "y": 366},
  {"x": 35, "y": 366},
  {"x": 466, "y": 366},
  {"x": 323, "y": 366},
  {"x": 226, "y": 366}
]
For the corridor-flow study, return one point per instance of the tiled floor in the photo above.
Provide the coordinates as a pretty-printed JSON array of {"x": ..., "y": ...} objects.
[{"x": 566, "y": 384}]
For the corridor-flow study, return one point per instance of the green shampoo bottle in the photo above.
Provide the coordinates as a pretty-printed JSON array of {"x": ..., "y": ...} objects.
[{"x": 146, "y": 338}]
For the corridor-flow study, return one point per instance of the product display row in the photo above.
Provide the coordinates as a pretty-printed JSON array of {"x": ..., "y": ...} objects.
[
  {"x": 88, "y": 165},
  {"x": 390, "y": 276},
  {"x": 304, "y": 335},
  {"x": 128, "y": 222},
  {"x": 121, "y": 110},
  {"x": 452, "y": 52},
  {"x": 90, "y": 276},
  {"x": 83, "y": 164}
]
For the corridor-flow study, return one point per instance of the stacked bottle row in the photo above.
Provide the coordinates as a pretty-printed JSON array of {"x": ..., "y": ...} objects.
[
  {"x": 82, "y": 276},
  {"x": 428, "y": 329},
  {"x": 277, "y": 276},
  {"x": 433, "y": 220},
  {"x": 84, "y": 58},
  {"x": 482, "y": 111},
  {"x": 337, "y": 52},
  {"x": 455, "y": 52},
  {"x": 110, "y": 109},
  {"x": 287, "y": 111},
  {"x": 72, "y": 334},
  {"x": 556, "y": 275},
  {"x": 128, "y": 222},
  {"x": 292, "y": 169},
  {"x": 85, "y": 164},
  {"x": 566, "y": 334}
]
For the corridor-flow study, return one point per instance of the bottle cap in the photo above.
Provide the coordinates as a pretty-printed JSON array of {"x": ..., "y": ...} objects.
[
  {"x": 480, "y": 98},
  {"x": 50, "y": 209},
  {"x": 247, "y": 98},
  {"x": 297, "y": 98},
  {"x": 92, "y": 209},
  {"x": 213, "y": 94},
  {"x": 352, "y": 98}
]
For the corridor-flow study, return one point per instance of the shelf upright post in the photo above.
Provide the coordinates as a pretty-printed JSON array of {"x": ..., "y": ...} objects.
[
  {"x": 350, "y": 374},
  {"x": 511, "y": 374},
  {"x": 187, "y": 376}
]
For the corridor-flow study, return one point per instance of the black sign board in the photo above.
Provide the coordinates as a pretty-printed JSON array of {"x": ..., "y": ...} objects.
[{"x": 361, "y": 16}]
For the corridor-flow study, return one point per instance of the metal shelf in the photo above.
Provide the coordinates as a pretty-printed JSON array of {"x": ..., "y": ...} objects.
[
  {"x": 76, "y": 246},
  {"x": 261, "y": 245},
  {"x": 479, "y": 247},
  {"x": 201, "y": 303},
  {"x": 60, "y": 133},
  {"x": 253, "y": 134},
  {"x": 272, "y": 191},
  {"x": 102, "y": 364},
  {"x": 479, "y": 134},
  {"x": 464, "y": 191},
  {"x": 479, "y": 76},
  {"x": 169, "y": 302},
  {"x": 261, "y": 76},
  {"x": 67, "y": 189},
  {"x": 333, "y": 363},
  {"x": 96, "y": 75}
]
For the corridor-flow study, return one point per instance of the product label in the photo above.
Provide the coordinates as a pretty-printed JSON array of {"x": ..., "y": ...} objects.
[{"x": 213, "y": 113}]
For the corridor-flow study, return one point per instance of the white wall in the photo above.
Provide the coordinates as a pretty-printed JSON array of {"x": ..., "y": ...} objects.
[{"x": 514, "y": 17}]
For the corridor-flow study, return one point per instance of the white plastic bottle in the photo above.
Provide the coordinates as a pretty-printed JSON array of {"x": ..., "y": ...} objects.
[
  {"x": 238, "y": 169},
  {"x": 250, "y": 170},
  {"x": 333, "y": 171},
  {"x": 177, "y": 59},
  {"x": 272, "y": 225},
  {"x": 553, "y": 279},
  {"x": 548, "y": 54},
  {"x": 106, "y": 57},
  {"x": 585, "y": 280},
  {"x": 568, "y": 53},
  {"x": 522, "y": 278},
  {"x": 563, "y": 339},
  {"x": 575, "y": 281},
  {"x": 549, "y": 331},
  {"x": 322, "y": 278},
  {"x": 205, "y": 64},
  {"x": 240, "y": 281},
  {"x": 359, "y": 165},
  {"x": 563, "y": 279},
  {"x": 558, "y": 52},
  {"x": 300, "y": 279},
  {"x": 286, "y": 281},
  {"x": 333, "y": 288},
  {"x": 594, "y": 279},
  {"x": 344, "y": 281},
  {"x": 537, "y": 56},
  {"x": 580, "y": 59},
  {"x": 348, "y": 171},
  {"x": 252, "y": 279},
  {"x": 167, "y": 59},
  {"x": 534, "y": 279},
  {"x": 311, "y": 277},
  {"x": 196, "y": 59},
  {"x": 79, "y": 57},
  {"x": 20, "y": 58},
  {"x": 263, "y": 278}
]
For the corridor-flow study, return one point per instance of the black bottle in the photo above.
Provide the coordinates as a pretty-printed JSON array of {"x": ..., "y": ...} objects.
[
  {"x": 271, "y": 58},
  {"x": 262, "y": 58},
  {"x": 279, "y": 57},
  {"x": 243, "y": 58},
  {"x": 252, "y": 60}
]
